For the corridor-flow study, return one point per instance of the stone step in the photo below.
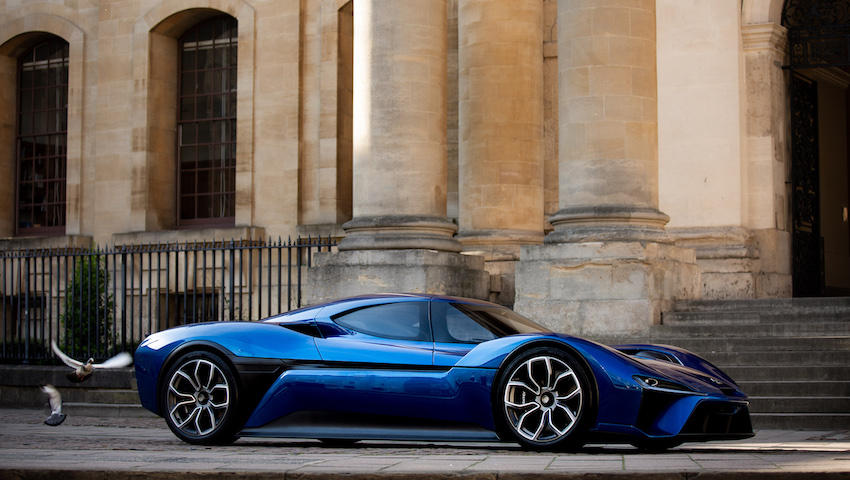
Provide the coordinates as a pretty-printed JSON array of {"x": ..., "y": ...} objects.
[
  {"x": 791, "y": 356},
  {"x": 771, "y": 388},
  {"x": 129, "y": 397},
  {"x": 810, "y": 306},
  {"x": 106, "y": 410},
  {"x": 27, "y": 375},
  {"x": 96, "y": 395},
  {"x": 837, "y": 405},
  {"x": 20, "y": 387},
  {"x": 22, "y": 397},
  {"x": 756, "y": 358},
  {"x": 749, "y": 318},
  {"x": 710, "y": 318},
  {"x": 801, "y": 421},
  {"x": 660, "y": 333},
  {"x": 787, "y": 373},
  {"x": 706, "y": 345},
  {"x": 733, "y": 312}
]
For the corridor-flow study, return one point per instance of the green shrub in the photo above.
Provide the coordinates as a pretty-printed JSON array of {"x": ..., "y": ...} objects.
[{"x": 87, "y": 318}]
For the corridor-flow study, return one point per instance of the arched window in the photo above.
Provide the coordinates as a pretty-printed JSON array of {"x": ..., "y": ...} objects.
[
  {"x": 41, "y": 139},
  {"x": 206, "y": 124}
]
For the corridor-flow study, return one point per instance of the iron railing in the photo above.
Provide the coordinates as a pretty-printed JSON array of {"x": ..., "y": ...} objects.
[{"x": 97, "y": 302}]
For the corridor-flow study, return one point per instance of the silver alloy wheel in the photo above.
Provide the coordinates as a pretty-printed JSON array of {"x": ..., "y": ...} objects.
[
  {"x": 543, "y": 399},
  {"x": 198, "y": 397}
]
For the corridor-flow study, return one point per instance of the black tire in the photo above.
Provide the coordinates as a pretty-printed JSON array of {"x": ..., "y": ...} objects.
[
  {"x": 544, "y": 400},
  {"x": 199, "y": 397}
]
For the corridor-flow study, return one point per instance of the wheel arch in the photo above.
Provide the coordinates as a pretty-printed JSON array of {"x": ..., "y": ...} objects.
[
  {"x": 593, "y": 405},
  {"x": 191, "y": 347}
]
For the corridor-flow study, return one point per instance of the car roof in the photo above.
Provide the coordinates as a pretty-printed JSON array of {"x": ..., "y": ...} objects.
[
  {"x": 311, "y": 310},
  {"x": 422, "y": 296}
]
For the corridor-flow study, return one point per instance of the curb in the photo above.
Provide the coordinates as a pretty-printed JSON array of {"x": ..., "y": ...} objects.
[{"x": 13, "y": 474}]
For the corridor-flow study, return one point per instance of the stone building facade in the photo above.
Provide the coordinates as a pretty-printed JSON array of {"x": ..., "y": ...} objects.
[{"x": 588, "y": 162}]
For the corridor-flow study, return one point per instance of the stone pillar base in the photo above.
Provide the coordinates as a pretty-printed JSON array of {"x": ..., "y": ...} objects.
[
  {"x": 612, "y": 289},
  {"x": 500, "y": 249},
  {"x": 775, "y": 258},
  {"x": 608, "y": 223},
  {"x": 341, "y": 274},
  {"x": 738, "y": 263},
  {"x": 398, "y": 232}
]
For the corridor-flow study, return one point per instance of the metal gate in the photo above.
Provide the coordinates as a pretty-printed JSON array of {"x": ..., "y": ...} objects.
[
  {"x": 97, "y": 302},
  {"x": 808, "y": 276},
  {"x": 818, "y": 36}
]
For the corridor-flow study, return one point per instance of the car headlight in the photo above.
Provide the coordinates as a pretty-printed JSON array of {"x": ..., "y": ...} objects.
[
  {"x": 663, "y": 385},
  {"x": 153, "y": 342}
]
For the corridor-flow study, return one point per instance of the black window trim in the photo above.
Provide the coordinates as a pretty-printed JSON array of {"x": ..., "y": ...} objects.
[{"x": 429, "y": 327}]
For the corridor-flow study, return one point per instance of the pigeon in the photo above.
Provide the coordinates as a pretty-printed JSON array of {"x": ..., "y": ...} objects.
[
  {"x": 56, "y": 416},
  {"x": 82, "y": 371}
]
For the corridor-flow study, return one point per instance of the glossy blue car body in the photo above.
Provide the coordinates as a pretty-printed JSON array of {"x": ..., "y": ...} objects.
[{"x": 304, "y": 375}]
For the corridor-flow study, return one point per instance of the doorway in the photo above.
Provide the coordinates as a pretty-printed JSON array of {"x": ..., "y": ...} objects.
[{"x": 820, "y": 177}]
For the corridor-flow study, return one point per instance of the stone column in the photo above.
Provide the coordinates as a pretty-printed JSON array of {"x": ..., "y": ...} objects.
[
  {"x": 500, "y": 63},
  {"x": 768, "y": 159},
  {"x": 399, "y": 238},
  {"x": 608, "y": 123},
  {"x": 399, "y": 144},
  {"x": 608, "y": 269}
]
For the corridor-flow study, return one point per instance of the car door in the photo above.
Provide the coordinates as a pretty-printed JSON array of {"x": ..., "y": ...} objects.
[
  {"x": 378, "y": 360},
  {"x": 390, "y": 334}
]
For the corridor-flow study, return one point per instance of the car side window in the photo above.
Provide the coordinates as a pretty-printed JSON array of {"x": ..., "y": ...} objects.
[
  {"x": 452, "y": 325},
  {"x": 399, "y": 321}
]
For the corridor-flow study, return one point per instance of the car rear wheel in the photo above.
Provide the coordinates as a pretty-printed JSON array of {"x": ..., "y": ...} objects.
[
  {"x": 544, "y": 399},
  {"x": 199, "y": 399}
]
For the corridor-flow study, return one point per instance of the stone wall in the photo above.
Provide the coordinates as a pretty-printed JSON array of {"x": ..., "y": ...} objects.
[{"x": 666, "y": 120}]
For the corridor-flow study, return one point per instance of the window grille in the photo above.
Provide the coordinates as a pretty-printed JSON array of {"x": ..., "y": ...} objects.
[
  {"x": 206, "y": 127},
  {"x": 42, "y": 132}
]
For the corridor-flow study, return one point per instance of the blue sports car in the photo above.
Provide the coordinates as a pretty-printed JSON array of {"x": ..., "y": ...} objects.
[{"x": 429, "y": 367}]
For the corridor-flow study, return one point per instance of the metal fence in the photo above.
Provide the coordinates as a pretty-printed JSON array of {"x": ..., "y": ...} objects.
[{"x": 96, "y": 303}]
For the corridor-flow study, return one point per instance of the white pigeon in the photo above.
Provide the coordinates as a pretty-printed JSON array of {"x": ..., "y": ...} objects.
[
  {"x": 55, "y": 399},
  {"x": 83, "y": 371}
]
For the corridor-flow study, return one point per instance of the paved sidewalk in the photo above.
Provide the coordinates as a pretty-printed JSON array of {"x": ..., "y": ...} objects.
[{"x": 88, "y": 447}]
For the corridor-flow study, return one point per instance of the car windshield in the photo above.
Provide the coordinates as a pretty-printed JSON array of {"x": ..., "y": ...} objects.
[{"x": 500, "y": 321}]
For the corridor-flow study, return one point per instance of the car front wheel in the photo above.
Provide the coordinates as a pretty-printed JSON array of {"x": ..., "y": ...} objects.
[
  {"x": 199, "y": 399},
  {"x": 544, "y": 398}
]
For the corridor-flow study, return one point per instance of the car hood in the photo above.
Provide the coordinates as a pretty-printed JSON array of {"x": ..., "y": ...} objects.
[
  {"x": 675, "y": 356},
  {"x": 691, "y": 370}
]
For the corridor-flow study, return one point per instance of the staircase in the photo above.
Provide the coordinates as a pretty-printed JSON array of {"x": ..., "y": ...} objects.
[
  {"x": 791, "y": 356},
  {"x": 107, "y": 393}
]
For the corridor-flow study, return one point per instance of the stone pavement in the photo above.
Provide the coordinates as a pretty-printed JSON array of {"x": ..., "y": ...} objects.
[{"x": 88, "y": 448}]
